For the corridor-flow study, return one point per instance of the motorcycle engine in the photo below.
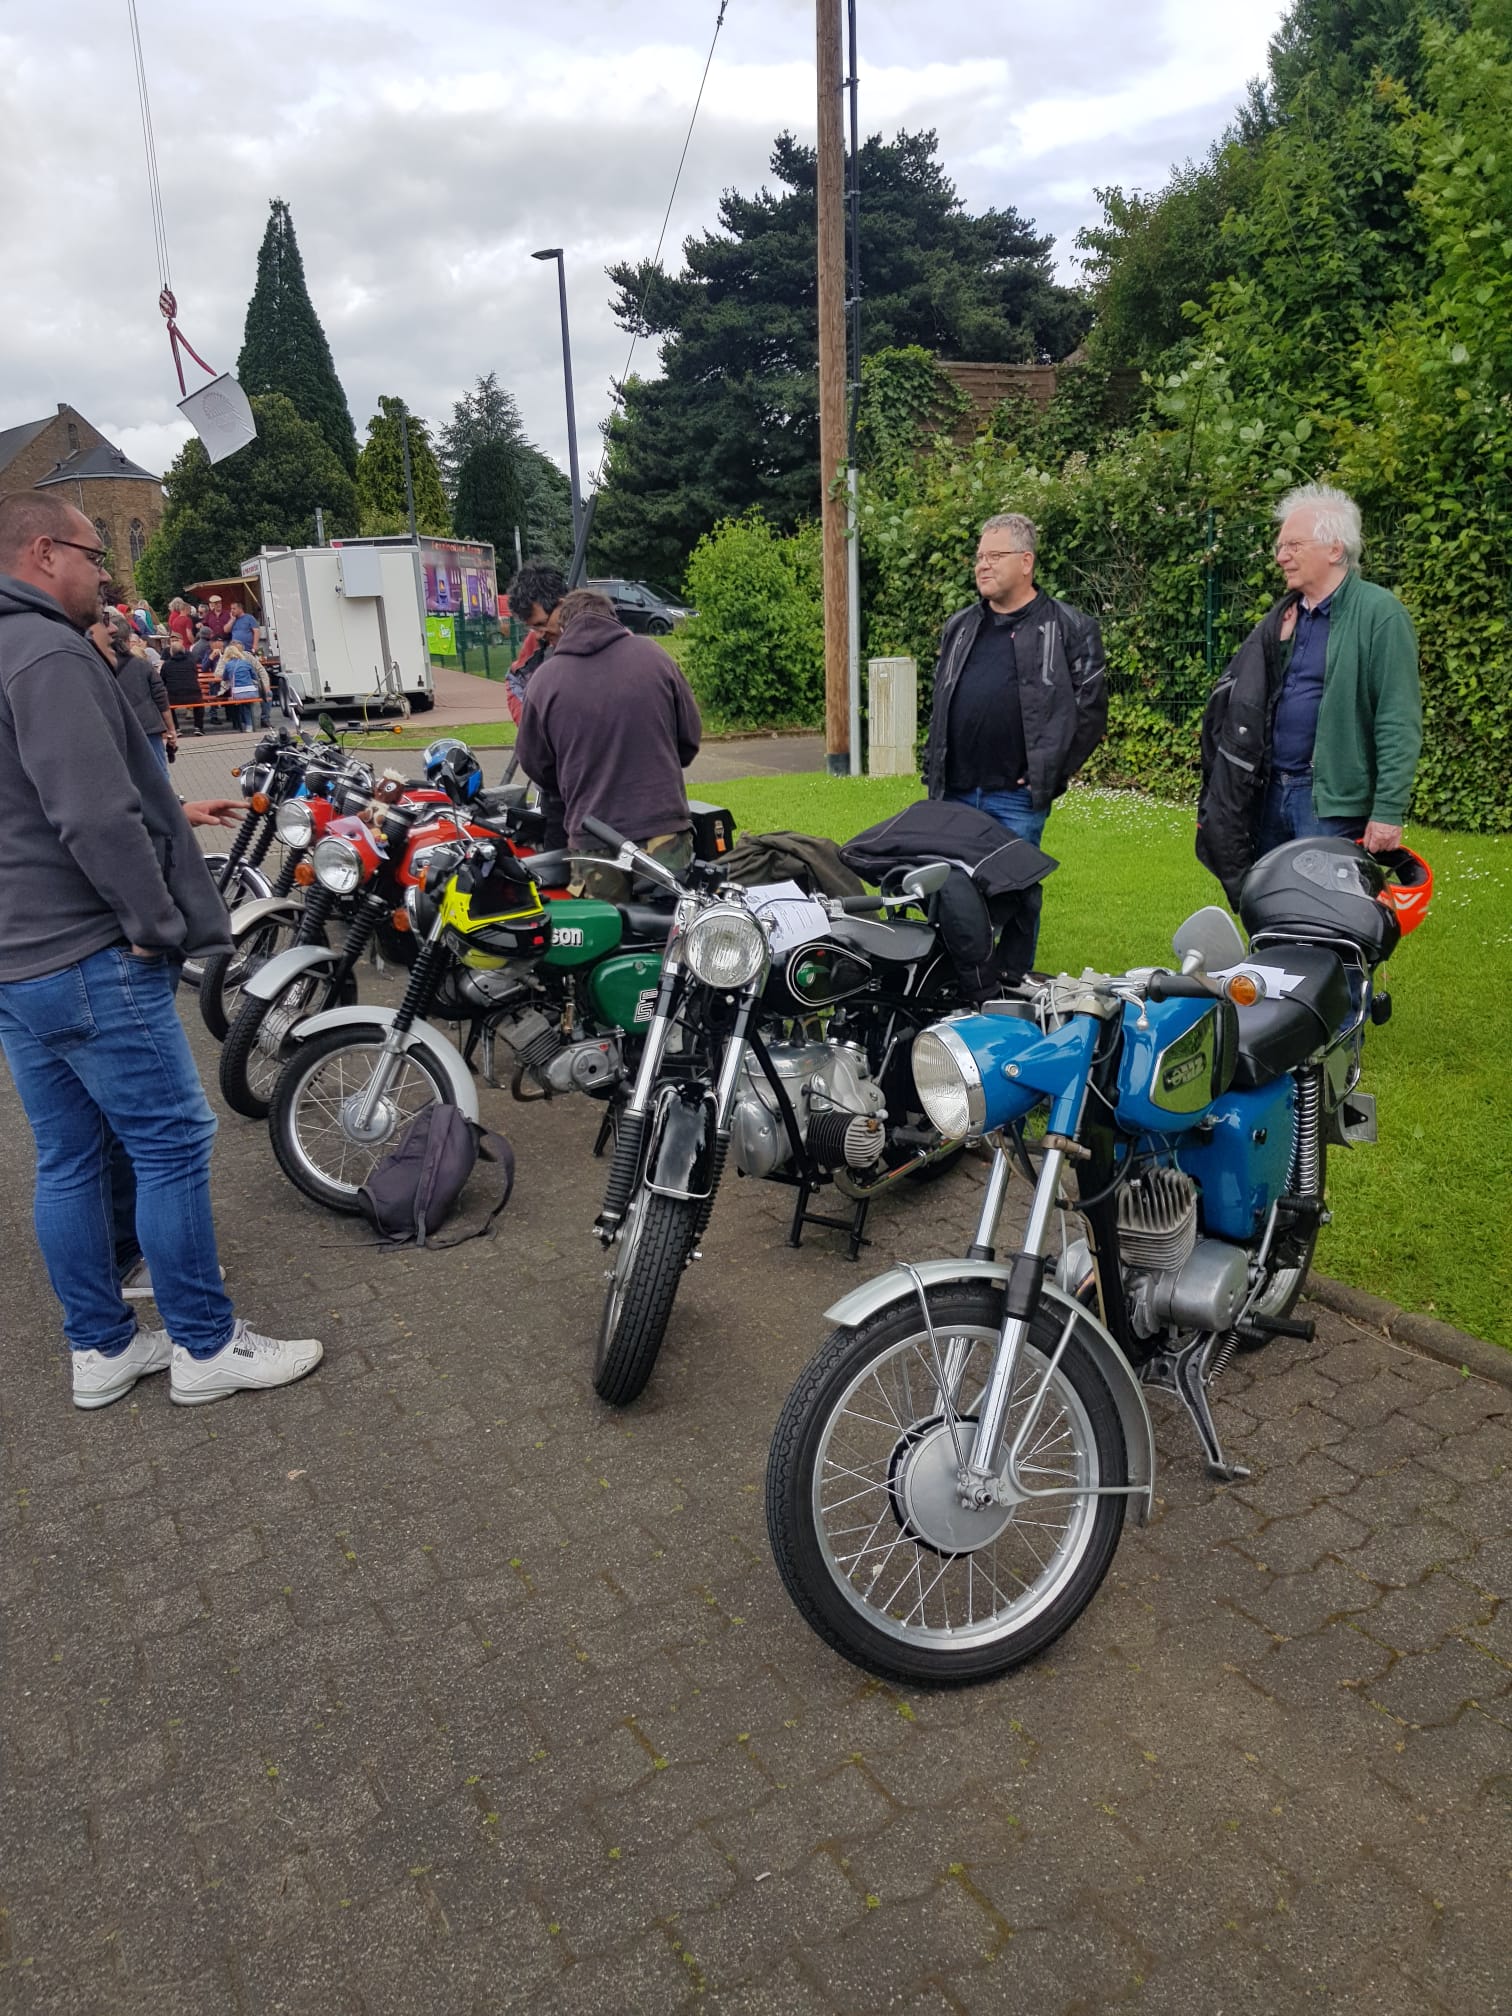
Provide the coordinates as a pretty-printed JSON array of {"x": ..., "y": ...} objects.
[
  {"x": 838, "y": 1105},
  {"x": 556, "y": 1063},
  {"x": 1173, "y": 1279}
]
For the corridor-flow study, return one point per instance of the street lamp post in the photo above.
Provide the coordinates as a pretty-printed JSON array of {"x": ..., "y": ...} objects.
[{"x": 555, "y": 252}]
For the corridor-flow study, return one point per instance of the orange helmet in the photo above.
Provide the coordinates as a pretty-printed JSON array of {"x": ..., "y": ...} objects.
[{"x": 1409, "y": 886}]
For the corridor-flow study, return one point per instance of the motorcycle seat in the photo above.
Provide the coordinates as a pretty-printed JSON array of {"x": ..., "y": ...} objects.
[
  {"x": 898, "y": 944},
  {"x": 551, "y": 871},
  {"x": 646, "y": 922},
  {"x": 1278, "y": 1032}
]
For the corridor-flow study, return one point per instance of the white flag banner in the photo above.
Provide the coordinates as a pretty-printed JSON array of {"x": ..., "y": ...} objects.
[{"x": 221, "y": 414}]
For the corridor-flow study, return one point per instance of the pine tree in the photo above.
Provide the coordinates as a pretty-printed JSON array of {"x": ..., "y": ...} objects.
[
  {"x": 380, "y": 474},
  {"x": 510, "y": 481},
  {"x": 284, "y": 348}
]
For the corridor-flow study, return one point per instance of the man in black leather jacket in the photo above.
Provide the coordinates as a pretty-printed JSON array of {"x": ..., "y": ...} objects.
[{"x": 1020, "y": 690}]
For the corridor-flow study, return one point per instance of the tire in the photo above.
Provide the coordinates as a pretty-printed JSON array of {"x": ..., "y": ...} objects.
[
  {"x": 318, "y": 1157},
  {"x": 245, "y": 886},
  {"x": 249, "y": 1068},
  {"x": 854, "y": 1603},
  {"x": 651, "y": 1254},
  {"x": 658, "y": 627},
  {"x": 224, "y": 974},
  {"x": 422, "y": 703}
]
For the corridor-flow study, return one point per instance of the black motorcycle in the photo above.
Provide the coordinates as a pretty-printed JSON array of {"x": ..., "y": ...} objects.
[{"x": 782, "y": 1034}]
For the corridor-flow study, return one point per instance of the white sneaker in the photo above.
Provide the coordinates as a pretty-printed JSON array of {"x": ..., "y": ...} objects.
[
  {"x": 98, "y": 1379},
  {"x": 245, "y": 1362},
  {"x": 136, "y": 1282}
]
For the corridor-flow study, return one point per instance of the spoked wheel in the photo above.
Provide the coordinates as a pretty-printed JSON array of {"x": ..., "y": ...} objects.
[
  {"x": 323, "y": 1144},
  {"x": 240, "y": 884},
  {"x": 224, "y": 974},
  {"x": 257, "y": 1044},
  {"x": 865, "y": 1518},
  {"x": 649, "y": 1258}
]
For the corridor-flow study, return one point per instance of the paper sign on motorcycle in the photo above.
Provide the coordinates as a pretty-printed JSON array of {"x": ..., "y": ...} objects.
[{"x": 796, "y": 919}]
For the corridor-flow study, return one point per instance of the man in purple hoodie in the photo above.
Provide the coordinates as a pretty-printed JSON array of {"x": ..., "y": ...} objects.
[{"x": 609, "y": 725}]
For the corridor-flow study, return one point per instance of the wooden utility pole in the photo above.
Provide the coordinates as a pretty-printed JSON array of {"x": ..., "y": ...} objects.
[{"x": 832, "y": 389}]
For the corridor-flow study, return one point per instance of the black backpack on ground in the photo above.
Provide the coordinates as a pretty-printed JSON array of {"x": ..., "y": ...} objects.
[{"x": 414, "y": 1188}]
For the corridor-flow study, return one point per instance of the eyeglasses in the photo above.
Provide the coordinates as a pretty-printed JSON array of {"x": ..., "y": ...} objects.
[
  {"x": 1003, "y": 553},
  {"x": 1285, "y": 546},
  {"x": 95, "y": 555}
]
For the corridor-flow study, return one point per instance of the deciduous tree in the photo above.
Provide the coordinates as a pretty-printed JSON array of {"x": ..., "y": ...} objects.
[
  {"x": 380, "y": 474},
  {"x": 220, "y": 513}
]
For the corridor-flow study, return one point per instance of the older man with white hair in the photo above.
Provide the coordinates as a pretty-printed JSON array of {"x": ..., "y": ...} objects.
[{"x": 1317, "y": 723}]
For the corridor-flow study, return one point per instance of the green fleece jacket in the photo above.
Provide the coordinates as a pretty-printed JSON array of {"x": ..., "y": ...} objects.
[{"x": 1370, "y": 724}]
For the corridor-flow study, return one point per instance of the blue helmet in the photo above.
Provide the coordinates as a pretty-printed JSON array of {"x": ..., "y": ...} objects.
[{"x": 451, "y": 764}]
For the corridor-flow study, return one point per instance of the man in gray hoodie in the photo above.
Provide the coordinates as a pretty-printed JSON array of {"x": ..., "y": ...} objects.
[{"x": 103, "y": 891}]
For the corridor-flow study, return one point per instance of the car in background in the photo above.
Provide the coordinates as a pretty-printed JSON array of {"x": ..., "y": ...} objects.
[{"x": 641, "y": 608}]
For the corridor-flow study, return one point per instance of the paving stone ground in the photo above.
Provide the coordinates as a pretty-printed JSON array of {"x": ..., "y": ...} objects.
[{"x": 430, "y": 1685}]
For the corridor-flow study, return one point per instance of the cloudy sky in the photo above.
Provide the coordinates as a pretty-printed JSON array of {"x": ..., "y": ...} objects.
[{"x": 426, "y": 151}]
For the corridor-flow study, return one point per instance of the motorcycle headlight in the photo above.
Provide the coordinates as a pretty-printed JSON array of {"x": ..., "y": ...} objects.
[
  {"x": 338, "y": 865},
  {"x": 294, "y": 823},
  {"x": 948, "y": 1083},
  {"x": 724, "y": 947}
]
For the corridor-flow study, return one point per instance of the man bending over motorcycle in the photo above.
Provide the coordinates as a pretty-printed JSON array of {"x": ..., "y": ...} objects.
[{"x": 609, "y": 725}]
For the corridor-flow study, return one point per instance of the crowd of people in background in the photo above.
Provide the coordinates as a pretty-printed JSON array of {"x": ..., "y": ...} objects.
[{"x": 202, "y": 670}]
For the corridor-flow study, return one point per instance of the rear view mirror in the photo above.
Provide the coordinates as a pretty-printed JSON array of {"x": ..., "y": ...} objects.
[
  {"x": 926, "y": 880},
  {"x": 1213, "y": 935}
]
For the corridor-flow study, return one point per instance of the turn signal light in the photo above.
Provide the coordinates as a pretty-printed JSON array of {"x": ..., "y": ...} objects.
[
  {"x": 1244, "y": 989},
  {"x": 304, "y": 875},
  {"x": 259, "y": 801},
  {"x": 399, "y": 919}
]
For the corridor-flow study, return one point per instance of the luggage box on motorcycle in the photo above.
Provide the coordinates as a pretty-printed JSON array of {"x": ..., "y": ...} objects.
[{"x": 713, "y": 830}]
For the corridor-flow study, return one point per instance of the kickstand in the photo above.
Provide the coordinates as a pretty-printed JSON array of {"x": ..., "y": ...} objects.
[
  {"x": 605, "y": 1133},
  {"x": 1184, "y": 1372}
]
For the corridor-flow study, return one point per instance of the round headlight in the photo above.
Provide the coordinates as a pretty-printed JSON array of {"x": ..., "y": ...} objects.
[
  {"x": 948, "y": 1083},
  {"x": 338, "y": 865},
  {"x": 724, "y": 948},
  {"x": 294, "y": 823}
]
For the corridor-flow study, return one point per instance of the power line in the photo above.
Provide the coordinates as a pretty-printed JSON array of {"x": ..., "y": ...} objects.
[{"x": 640, "y": 306}]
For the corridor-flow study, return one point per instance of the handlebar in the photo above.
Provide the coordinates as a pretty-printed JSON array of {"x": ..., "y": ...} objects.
[
  {"x": 859, "y": 906},
  {"x": 607, "y": 834},
  {"x": 1181, "y": 987}
]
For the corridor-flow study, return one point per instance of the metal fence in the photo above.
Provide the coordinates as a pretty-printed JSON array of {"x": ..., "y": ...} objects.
[{"x": 481, "y": 644}]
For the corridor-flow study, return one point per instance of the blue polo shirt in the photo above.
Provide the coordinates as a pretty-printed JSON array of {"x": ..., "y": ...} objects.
[{"x": 1296, "y": 725}]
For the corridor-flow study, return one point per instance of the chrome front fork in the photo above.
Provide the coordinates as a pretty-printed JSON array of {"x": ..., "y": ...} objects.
[{"x": 979, "y": 1475}]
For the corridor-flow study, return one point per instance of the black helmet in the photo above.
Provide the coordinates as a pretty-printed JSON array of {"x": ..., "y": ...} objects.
[{"x": 1325, "y": 888}]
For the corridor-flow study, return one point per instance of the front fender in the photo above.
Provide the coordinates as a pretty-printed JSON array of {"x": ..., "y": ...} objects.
[
  {"x": 679, "y": 1161},
  {"x": 269, "y": 981},
  {"x": 246, "y": 915},
  {"x": 895, "y": 1286},
  {"x": 463, "y": 1092}
]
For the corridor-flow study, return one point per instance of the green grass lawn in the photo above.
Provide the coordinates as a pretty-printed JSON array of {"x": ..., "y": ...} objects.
[
  {"x": 478, "y": 734},
  {"x": 1424, "y": 1217}
]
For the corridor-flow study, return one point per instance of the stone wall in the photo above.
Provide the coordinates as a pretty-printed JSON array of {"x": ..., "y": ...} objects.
[{"x": 115, "y": 504}]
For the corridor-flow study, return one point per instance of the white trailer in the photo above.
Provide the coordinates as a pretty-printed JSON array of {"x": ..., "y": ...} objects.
[{"x": 350, "y": 625}]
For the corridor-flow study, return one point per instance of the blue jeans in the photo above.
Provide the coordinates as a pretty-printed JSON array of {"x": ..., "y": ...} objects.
[
  {"x": 1015, "y": 810},
  {"x": 160, "y": 749},
  {"x": 1288, "y": 814},
  {"x": 240, "y": 715},
  {"x": 99, "y": 1056}
]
